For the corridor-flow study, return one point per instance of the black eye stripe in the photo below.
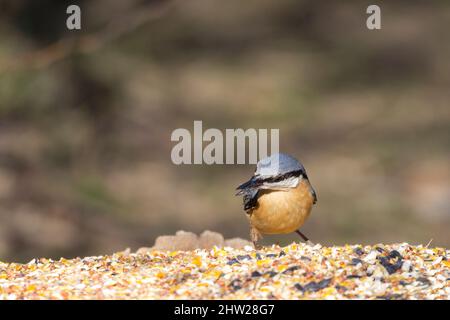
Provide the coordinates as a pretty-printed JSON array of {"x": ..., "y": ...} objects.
[{"x": 282, "y": 177}]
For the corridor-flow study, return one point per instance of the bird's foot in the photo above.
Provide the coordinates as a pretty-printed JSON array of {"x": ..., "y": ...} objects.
[
  {"x": 255, "y": 235},
  {"x": 257, "y": 246}
]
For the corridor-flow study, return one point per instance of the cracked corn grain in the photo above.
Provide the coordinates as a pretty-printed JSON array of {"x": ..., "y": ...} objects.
[{"x": 297, "y": 271}]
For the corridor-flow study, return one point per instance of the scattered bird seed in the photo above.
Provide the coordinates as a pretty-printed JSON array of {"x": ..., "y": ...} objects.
[
  {"x": 243, "y": 257},
  {"x": 291, "y": 269},
  {"x": 232, "y": 261},
  {"x": 398, "y": 271},
  {"x": 316, "y": 286},
  {"x": 271, "y": 273},
  {"x": 256, "y": 274},
  {"x": 355, "y": 261}
]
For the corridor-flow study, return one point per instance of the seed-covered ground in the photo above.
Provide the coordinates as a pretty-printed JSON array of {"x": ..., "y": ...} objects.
[{"x": 297, "y": 271}]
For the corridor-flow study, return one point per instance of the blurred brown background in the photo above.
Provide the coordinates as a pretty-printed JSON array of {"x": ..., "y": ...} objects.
[{"x": 86, "y": 118}]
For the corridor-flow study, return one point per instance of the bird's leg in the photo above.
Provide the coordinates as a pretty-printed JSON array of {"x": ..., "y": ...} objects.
[
  {"x": 255, "y": 236},
  {"x": 305, "y": 238},
  {"x": 302, "y": 235}
]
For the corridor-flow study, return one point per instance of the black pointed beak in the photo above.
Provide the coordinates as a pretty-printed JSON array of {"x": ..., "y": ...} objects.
[{"x": 252, "y": 183}]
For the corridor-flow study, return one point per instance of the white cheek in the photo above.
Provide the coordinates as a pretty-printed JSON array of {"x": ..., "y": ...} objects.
[{"x": 289, "y": 183}]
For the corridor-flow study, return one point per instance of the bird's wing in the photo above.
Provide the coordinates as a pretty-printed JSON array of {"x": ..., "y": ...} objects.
[
  {"x": 250, "y": 199},
  {"x": 314, "y": 194}
]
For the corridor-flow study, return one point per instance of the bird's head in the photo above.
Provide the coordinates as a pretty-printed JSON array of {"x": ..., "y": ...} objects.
[{"x": 278, "y": 171}]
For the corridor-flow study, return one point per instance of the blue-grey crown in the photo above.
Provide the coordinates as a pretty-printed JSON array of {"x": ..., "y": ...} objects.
[{"x": 278, "y": 164}]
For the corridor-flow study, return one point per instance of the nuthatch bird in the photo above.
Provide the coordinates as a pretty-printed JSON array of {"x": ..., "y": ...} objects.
[{"x": 278, "y": 198}]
